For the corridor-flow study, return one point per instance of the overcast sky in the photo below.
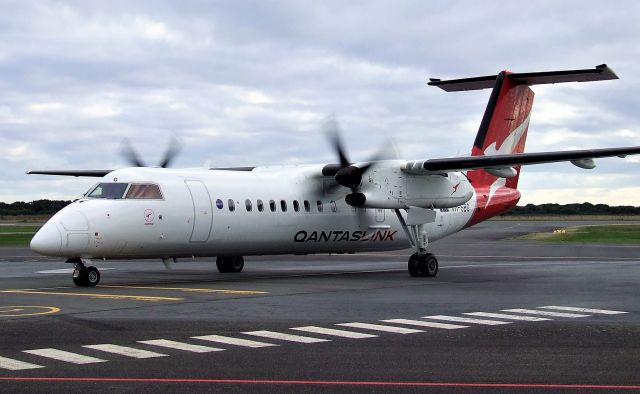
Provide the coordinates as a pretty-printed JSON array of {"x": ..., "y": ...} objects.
[{"x": 250, "y": 82}]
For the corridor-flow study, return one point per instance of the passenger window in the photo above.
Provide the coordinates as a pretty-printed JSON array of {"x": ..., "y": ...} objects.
[
  {"x": 296, "y": 206},
  {"x": 307, "y": 206},
  {"x": 334, "y": 208},
  {"x": 272, "y": 205},
  {"x": 319, "y": 206},
  {"x": 260, "y": 206},
  {"x": 247, "y": 204},
  {"x": 108, "y": 190},
  {"x": 283, "y": 205},
  {"x": 232, "y": 205}
]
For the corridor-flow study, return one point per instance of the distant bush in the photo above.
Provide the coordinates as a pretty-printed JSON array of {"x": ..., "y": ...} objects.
[
  {"x": 572, "y": 209},
  {"x": 38, "y": 207}
]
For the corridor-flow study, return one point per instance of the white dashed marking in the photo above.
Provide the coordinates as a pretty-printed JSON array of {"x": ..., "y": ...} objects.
[
  {"x": 15, "y": 365},
  {"x": 585, "y": 310},
  {"x": 125, "y": 351},
  {"x": 181, "y": 346},
  {"x": 467, "y": 320},
  {"x": 286, "y": 337},
  {"x": 505, "y": 316},
  {"x": 68, "y": 357},
  {"x": 334, "y": 332},
  {"x": 234, "y": 341},
  {"x": 423, "y": 323},
  {"x": 380, "y": 327},
  {"x": 545, "y": 313}
]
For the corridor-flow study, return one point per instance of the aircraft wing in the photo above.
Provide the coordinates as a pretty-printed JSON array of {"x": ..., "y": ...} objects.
[
  {"x": 508, "y": 160},
  {"x": 92, "y": 173}
]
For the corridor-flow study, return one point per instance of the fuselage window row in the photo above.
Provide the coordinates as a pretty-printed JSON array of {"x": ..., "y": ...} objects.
[{"x": 273, "y": 206}]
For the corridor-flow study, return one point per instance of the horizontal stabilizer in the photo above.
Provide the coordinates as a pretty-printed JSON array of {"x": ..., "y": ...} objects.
[{"x": 599, "y": 73}]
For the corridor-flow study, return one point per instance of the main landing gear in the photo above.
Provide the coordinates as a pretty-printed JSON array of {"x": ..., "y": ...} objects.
[
  {"x": 230, "y": 264},
  {"x": 421, "y": 263},
  {"x": 84, "y": 276}
]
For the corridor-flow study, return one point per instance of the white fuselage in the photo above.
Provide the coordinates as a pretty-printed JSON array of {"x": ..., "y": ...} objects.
[{"x": 193, "y": 217}]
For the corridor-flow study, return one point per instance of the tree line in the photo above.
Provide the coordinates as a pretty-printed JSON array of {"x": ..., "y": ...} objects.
[
  {"x": 49, "y": 207},
  {"x": 38, "y": 207}
]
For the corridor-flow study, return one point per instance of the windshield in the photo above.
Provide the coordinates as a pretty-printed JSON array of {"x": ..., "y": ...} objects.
[
  {"x": 108, "y": 190},
  {"x": 144, "y": 191}
]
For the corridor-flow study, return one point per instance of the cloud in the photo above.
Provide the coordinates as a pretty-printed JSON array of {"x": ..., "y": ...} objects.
[{"x": 249, "y": 83}]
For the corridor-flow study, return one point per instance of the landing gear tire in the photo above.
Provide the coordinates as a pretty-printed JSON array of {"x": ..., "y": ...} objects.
[
  {"x": 85, "y": 276},
  {"x": 423, "y": 265},
  {"x": 230, "y": 264}
]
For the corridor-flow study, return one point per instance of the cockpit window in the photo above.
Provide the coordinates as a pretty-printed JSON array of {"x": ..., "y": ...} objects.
[
  {"x": 144, "y": 191},
  {"x": 108, "y": 190}
]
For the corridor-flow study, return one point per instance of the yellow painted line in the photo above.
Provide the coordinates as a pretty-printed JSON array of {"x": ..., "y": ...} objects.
[
  {"x": 96, "y": 295},
  {"x": 187, "y": 289},
  {"x": 9, "y": 311}
]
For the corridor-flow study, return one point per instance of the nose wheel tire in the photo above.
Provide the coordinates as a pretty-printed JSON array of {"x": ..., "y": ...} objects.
[
  {"x": 425, "y": 265},
  {"x": 230, "y": 264},
  {"x": 86, "y": 276}
]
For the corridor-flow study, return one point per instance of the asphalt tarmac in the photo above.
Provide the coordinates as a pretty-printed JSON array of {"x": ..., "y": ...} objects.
[{"x": 545, "y": 318}]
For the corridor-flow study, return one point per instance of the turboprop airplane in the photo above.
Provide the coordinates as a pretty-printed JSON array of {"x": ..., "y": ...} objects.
[{"x": 348, "y": 207}]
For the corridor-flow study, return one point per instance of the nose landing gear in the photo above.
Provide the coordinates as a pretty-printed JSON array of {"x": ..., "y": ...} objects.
[{"x": 84, "y": 276}]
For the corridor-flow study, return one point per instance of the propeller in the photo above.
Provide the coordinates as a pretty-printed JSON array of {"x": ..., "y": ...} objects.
[
  {"x": 348, "y": 174},
  {"x": 130, "y": 154}
]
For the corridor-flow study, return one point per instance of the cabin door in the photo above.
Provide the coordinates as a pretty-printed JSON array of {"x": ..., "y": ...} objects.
[{"x": 202, "y": 211}]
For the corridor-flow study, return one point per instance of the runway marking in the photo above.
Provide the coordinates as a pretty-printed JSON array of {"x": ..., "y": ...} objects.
[
  {"x": 286, "y": 337},
  {"x": 334, "y": 332},
  {"x": 94, "y": 295},
  {"x": 467, "y": 320},
  {"x": 545, "y": 313},
  {"x": 181, "y": 346},
  {"x": 186, "y": 289},
  {"x": 422, "y": 323},
  {"x": 526, "y": 386},
  {"x": 61, "y": 355},
  {"x": 15, "y": 365},
  {"x": 505, "y": 316},
  {"x": 125, "y": 351},
  {"x": 380, "y": 327},
  {"x": 586, "y": 310},
  {"x": 19, "y": 311},
  {"x": 67, "y": 270},
  {"x": 234, "y": 341}
]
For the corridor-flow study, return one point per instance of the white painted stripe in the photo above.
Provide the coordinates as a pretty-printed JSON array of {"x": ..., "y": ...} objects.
[
  {"x": 334, "y": 332},
  {"x": 505, "y": 316},
  {"x": 286, "y": 337},
  {"x": 422, "y": 323},
  {"x": 61, "y": 355},
  {"x": 125, "y": 351},
  {"x": 545, "y": 313},
  {"x": 585, "y": 310},
  {"x": 380, "y": 327},
  {"x": 15, "y": 365},
  {"x": 467, "y": 320},
  {"x": 181, "y": 346},
  {"x": 234, "y": 341}
]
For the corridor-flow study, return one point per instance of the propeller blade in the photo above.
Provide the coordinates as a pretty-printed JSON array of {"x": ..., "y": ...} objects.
[
  {"x": 127, "y": 151},
  {"x": 172, "y": 151},
  {"x": 331, "y": 129}
]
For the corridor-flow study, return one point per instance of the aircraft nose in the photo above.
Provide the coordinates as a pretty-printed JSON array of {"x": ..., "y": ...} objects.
[{"x": 47, "y": 240}]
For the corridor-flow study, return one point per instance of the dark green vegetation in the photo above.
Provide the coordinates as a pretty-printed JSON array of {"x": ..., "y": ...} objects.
[
  {"x": 610, "y": 233},
  {"x": 17, "y": 235},
  {"x": 38, "y": 207},
  {"x": 583, "y": 209}
]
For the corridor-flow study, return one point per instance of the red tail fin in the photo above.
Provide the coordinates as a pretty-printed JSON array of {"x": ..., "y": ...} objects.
[{"x": 504, "y": 126}]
